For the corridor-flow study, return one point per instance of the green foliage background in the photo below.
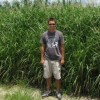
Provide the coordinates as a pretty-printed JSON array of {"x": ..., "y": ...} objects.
[{"x": 20, "y": 31}]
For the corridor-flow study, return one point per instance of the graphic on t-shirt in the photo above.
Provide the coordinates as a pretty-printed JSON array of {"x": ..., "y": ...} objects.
[{"x": 51, "y": 43}]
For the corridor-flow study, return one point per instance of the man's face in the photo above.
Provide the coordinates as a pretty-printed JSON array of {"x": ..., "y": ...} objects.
[{"x": 51, "y": 25}]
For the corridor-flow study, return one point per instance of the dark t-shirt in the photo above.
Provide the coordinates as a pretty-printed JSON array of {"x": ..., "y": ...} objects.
[{"x": 52, "y": 42}]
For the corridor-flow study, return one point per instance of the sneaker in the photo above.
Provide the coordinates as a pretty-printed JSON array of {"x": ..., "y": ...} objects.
[
  {"x": 46, "y": 94},
  {"x": 58, "y": 95}
]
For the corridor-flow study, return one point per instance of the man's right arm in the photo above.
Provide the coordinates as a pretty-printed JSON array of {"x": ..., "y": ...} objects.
[{"x": 42, "y": 49}]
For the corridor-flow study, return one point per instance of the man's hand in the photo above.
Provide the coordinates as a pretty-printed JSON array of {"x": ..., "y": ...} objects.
[
  {"x": 42, "y": 61},
  {"x": 62, "y": 61}
]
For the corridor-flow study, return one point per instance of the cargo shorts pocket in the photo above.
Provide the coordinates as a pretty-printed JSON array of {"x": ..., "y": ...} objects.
[
  {"x": 47, "y": 72},
  {"x": 57, "y": 70}
]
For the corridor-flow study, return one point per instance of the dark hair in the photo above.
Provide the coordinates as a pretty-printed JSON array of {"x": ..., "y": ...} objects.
[{"x": 51, "y": 19}]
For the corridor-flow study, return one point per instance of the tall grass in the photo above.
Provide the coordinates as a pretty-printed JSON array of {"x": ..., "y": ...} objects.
[
  {"x": 23, "y": 94},
  {"x": 18, "y": 96},
  {"x": 20, "y": 31}
]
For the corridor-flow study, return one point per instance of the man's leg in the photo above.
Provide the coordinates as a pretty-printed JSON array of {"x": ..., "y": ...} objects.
[
  {"x": 48, "y": 81},
  {"x": 58, "y": 91},
  {"x": 47, "y": 75},
  {"x": 48, "y": 88},
  {"x": 58, "y": 85},
  {"x": 57, "y": 76}
]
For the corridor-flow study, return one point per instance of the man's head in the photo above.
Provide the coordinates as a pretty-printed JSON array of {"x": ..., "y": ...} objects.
[{"x": 52, "y": 24}]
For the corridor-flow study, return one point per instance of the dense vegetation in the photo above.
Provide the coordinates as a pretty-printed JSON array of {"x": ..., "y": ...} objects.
[{"x": 20, "y": 31}]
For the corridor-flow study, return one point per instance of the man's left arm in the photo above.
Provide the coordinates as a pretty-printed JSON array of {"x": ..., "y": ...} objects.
[
  {"x": 62, "y": 48},
  {"x": 62, "y": 54}
]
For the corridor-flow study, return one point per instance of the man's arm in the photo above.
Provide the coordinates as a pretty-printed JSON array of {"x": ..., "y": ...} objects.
[
  {"x": 62, "y": 48},
  {"x": 42, "y": 49},
  {"x": 62, "y": 53}
]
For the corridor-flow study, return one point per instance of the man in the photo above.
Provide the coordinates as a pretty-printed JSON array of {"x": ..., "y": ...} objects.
[{"x": 52, "y": 56}]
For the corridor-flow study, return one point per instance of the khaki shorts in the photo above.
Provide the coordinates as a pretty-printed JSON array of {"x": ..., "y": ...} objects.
[{"x": 52, "y": 67}]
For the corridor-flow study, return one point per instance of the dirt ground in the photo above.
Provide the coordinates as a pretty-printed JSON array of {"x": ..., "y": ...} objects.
[{"x": 36, "y": 92}]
